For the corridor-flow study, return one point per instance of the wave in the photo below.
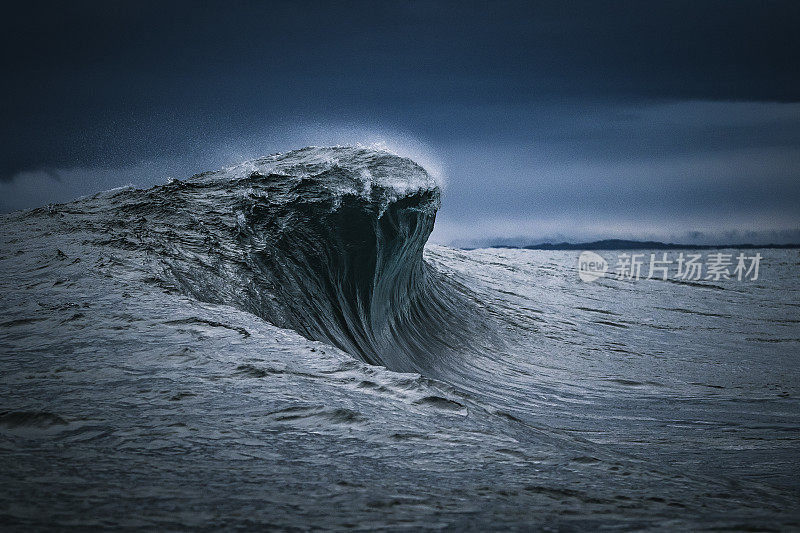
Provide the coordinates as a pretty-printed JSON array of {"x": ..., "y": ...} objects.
[{"x": 325, "y": 241}]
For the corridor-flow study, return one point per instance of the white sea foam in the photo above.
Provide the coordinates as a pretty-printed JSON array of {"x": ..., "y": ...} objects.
[{"x": 370, "y": 167}]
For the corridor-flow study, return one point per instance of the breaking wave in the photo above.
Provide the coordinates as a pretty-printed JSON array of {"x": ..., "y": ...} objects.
[{"x": 325, "y": 241}]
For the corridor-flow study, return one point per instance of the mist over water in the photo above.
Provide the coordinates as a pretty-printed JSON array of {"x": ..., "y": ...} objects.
[{"x": 275, "y": 345}]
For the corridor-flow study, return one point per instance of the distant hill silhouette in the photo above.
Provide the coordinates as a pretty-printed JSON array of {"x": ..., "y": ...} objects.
[{"x": 621, "y": 244}]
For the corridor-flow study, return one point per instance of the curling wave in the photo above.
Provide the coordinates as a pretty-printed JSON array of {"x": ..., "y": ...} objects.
[{"x": 326, "y": 241}]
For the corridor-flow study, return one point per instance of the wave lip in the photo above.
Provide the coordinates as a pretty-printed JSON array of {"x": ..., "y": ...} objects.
[{"x": 353, "y": 170}]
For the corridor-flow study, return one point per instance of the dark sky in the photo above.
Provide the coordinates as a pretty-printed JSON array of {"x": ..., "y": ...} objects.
[{"x": 546, "y": 120}]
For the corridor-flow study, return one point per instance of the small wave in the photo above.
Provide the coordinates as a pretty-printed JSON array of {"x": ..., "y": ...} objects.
[
  {"x": 316, "y": 414},
  {"x": 438, "y": 402},
  {"x": 209, "y": 323}
]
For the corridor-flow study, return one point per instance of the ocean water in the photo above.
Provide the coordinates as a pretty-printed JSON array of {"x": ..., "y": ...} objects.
[{"x": 275, "y": 345}]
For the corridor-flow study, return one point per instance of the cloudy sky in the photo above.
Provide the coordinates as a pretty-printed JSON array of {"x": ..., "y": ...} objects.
[{"x": 545, "y": 120}]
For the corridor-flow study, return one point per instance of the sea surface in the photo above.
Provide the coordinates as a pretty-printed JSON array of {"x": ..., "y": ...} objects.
[{"x": 275, "y": 345}]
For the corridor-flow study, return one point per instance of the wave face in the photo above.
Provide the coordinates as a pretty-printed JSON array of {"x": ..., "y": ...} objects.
[{"x": 325, "y": 241}]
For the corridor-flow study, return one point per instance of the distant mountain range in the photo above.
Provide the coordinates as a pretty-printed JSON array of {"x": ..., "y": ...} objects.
[{"x": 621, "y": 244}]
